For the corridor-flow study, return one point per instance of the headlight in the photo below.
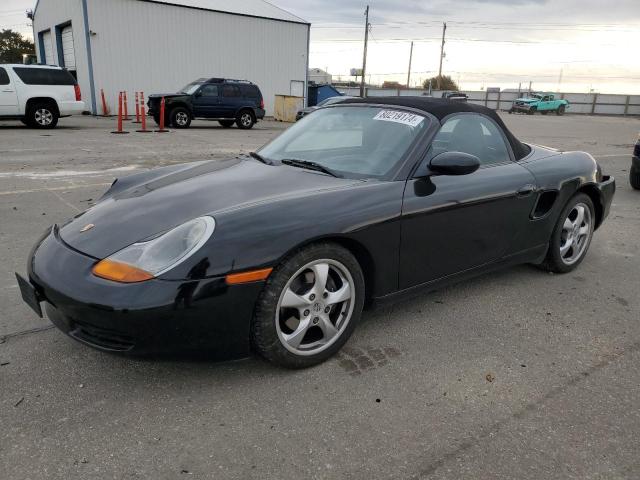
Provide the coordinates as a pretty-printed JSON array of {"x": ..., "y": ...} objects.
[{"x": 146, "y": 260}]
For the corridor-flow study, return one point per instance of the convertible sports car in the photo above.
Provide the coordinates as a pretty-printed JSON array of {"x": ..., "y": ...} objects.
[{"x": 360, "y": 203}]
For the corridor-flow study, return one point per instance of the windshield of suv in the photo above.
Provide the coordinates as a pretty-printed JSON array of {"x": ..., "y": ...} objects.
[
  {"x": 537, "y": 96},
  {"x": 190, "y": 89},
  {"x": 352, "y": 141}
]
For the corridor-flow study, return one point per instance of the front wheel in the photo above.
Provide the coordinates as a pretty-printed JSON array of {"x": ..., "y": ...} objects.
[
  {"x": 561, "y": 110},
  {"x": 532, "y": 111},
  {"x": 572, "y": 235},
  {"x": 245, "y": 120},
  {"x": 180, "y": 117},
  {"x": 309, "y": 307}
]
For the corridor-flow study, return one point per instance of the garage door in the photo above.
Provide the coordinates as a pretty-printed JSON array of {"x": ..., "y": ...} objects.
[
  {"x": 48, "y": 48},
  {"x": 68, "y": 50}
]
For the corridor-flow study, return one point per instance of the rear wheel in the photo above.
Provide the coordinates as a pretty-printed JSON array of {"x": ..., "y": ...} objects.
[
  {"x": 572, "y": 235},
  {"x": 42, "y": 115},
  {"x": 245, "y": 120},
  {"x": 561, "y": 110},
  {"x": 226, "y": 123},
  {"x": 309, "y": 307},
  {"x": 180, "y": 117}
]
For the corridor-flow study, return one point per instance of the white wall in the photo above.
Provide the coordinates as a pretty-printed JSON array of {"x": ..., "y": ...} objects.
[
  {"x": 159, "y": 48},
  {"x": 56, "y": 12}
]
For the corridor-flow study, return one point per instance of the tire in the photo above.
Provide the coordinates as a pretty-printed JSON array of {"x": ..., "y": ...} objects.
[
  {"x": 561, "y": 110},
  {"x": 532, "y": 111},
  {"x": 316, "y": 325},
  {"x": 634, "y": 178},
  {"x": 226, "y": 123},
  {"x": 246, "y": 120},
  {"x": 567, "y": 229},
  {"x": 180, "y": 117},
  {"x": 42, "y": 116}
]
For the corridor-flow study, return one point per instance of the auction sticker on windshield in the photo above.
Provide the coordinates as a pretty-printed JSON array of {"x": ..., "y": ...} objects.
[{"x": 399, "y": 117}]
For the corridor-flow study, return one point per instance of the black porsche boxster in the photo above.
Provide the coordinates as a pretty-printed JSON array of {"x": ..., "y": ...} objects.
[{"x": 358, "y": 204}]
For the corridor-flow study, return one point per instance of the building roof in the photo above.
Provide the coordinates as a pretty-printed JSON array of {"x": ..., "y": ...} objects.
[
  {"x": 440, "y": 108},
  {"x": 250, "y": 8}
]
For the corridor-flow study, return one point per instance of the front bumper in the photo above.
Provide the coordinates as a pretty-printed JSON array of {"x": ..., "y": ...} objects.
[
  {"x": 520, "y": 108},
  {"x": 154, "y": 317}
]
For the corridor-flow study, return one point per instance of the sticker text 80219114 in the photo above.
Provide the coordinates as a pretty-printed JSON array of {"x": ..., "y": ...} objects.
[{"x": 399, "y": 117}]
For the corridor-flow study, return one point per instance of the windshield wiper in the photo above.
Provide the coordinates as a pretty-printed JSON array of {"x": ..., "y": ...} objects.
[
  {"x": 309, "y": 165},
  {"x": 260, "y": 158}
]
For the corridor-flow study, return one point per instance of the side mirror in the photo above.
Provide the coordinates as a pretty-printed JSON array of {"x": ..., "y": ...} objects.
[{"x": 454, "y": 163}]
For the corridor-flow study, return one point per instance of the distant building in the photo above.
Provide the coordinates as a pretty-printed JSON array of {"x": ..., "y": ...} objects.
[
  {"x": 319, "y": 76},
  {"x": 159, "y": 46}
]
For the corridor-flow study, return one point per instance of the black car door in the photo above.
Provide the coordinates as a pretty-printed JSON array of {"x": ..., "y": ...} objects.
[
  {"x": 206, "y": 102},
  {"x": 455, "y": 223}
]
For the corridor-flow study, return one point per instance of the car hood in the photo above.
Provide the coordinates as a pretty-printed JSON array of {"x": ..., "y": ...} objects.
[
  {"x": 147, "y": 204},
  {"x": 527, "y": 100}
]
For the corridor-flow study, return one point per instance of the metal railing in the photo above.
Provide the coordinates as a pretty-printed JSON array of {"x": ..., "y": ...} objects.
[{"x": 579, "y": 103}]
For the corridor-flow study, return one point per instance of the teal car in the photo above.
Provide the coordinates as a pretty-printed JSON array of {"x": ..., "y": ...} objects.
[{"x": 540, "y": 102}]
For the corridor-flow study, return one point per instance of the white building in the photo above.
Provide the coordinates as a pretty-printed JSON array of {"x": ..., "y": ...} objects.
[
  {"x": 319, "y": 76},
  {"x": 159, "y": 46}
]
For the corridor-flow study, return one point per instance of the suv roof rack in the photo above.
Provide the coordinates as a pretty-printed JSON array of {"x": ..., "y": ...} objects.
[{"x": 223, "y": 80}]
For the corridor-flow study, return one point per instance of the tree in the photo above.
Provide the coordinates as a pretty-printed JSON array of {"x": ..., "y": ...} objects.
[
  {"x": 446, "y": 83},
  {"x": 13, "y": 45}
]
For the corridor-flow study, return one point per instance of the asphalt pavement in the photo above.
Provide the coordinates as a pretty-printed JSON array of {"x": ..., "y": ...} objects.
[{"x": 518, "y": 374}]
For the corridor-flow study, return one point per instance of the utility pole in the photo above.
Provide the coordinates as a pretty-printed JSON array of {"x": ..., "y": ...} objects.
[
  {"x": 366, "y": 43},
  {"x": 560, "y": 78},
  {"x": 444, "y": 31},
  {"x": 409, "y": 74}
]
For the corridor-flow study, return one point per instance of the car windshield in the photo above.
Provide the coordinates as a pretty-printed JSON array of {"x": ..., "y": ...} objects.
[
  {"x": 535, "y": 95},
  {"x": 190, "y": 89},
  {"x": 352, "y": 141}
]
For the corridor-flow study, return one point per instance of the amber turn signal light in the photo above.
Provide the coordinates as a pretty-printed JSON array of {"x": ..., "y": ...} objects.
[
  {"x": 248, "y": 277},
  {"x": 120, "y": 272}
]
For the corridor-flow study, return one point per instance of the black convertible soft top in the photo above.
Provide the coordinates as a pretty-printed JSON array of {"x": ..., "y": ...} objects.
[{"x": 440, "y": 108}]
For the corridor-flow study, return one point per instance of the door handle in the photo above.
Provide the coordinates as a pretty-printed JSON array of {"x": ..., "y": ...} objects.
[
  {"x": 526, "y": 190},
  {"x": 7, "y": 91}
]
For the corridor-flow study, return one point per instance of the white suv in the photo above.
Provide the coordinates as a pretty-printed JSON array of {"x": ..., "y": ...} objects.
[{"x": 38, "y": 95}]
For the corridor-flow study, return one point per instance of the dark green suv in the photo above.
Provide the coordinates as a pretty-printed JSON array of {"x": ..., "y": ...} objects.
[{"x": 225, "y": 100}]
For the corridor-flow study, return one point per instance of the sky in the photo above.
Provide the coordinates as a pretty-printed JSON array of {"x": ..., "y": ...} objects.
[{"x": 558, "y": 45}]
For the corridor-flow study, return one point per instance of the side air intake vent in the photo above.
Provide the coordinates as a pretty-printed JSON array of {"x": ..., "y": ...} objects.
[{"x": 545, "y": 203}]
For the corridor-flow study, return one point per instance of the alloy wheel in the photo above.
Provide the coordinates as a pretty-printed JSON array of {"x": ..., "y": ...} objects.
[
  {"x": 315, "y": 307},
  {"x": 576, "y": 234},
  {"x": 43, "y": 117},
  {"x": 246, "y": 120},
  {"x": 181, "y": 119}
]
